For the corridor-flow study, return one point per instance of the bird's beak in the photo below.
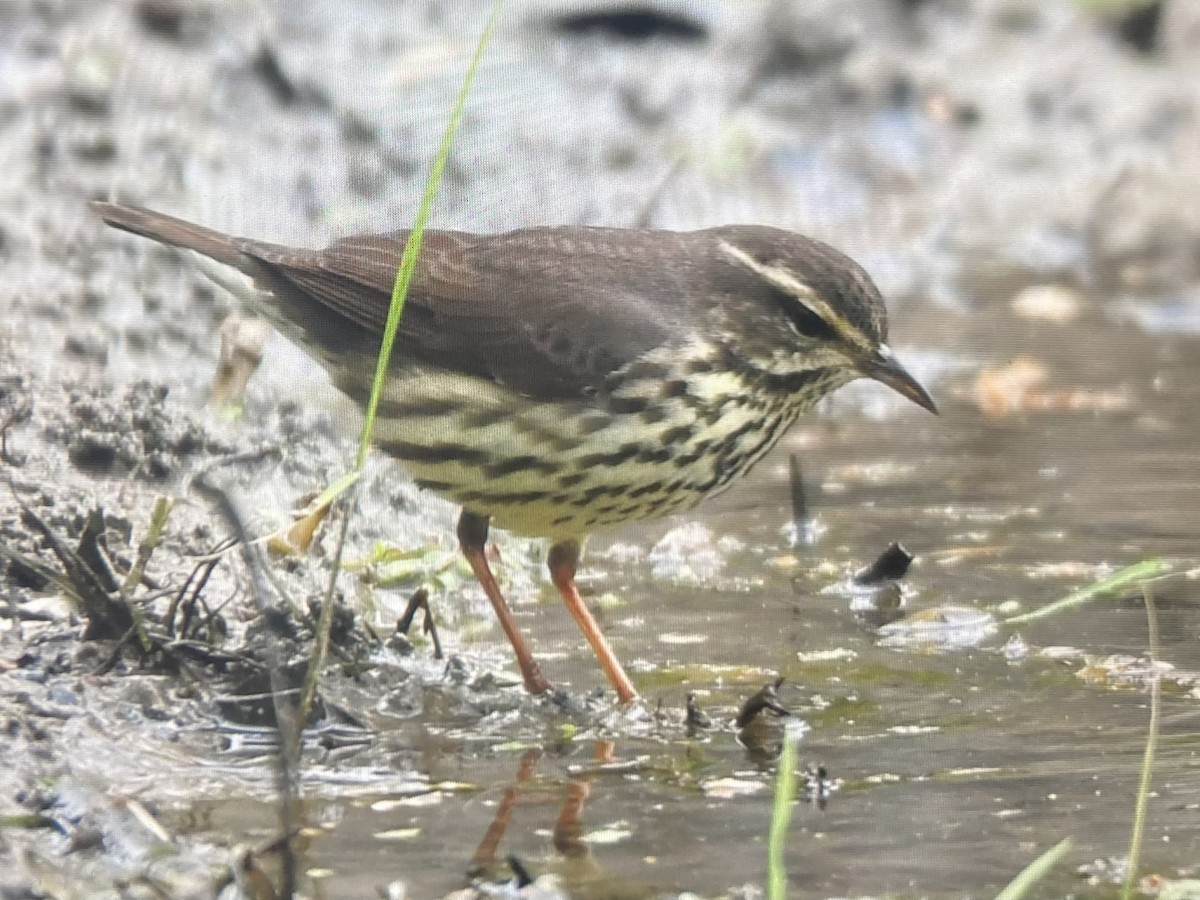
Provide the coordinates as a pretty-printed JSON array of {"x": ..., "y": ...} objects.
[{"x": 883, "y": 366}]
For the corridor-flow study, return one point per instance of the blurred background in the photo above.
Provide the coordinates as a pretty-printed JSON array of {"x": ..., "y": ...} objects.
[{"x": 1021, "y": 178}]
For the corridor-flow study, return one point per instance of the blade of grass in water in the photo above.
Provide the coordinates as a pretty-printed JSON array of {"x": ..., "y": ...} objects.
[
  {"x": 408, "y": 265},
  {"x": 1143, "y": 794},
  {"x": 781, "y": 813},
  {"x": 1130, "y": 575},
  {"x": 1035, "y": 871}
]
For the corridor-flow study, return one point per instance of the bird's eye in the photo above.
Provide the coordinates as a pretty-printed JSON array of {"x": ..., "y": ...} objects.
[{"x": 807, "y": 322}]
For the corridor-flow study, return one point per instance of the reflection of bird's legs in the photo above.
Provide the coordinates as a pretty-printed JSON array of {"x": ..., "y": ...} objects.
[
  {"x": 568, "y": 826},
  {"x": 485, "y": 853}
]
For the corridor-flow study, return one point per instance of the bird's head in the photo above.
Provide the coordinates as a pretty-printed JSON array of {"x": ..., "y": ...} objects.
[{"x": 824, "y": 305}]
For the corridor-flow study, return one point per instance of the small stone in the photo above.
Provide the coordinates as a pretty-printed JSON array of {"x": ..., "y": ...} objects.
[{"x": 1053, "y": 303}]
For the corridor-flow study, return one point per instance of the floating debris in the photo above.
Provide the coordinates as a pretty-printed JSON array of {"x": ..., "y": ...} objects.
[
  {"x": 1053, "y": 303},
  {"x": 691, "y": 554},
  {"x": 940, "y": 628},
  {"x": 1018, "y": 388},
  {"x": 696, "y": 719},
  {"x": 891, "y": 565},
  {"x": 766, "y": 699},
  {"x": 731, "y": 788},
  {"x": 1016, "y": 649}
]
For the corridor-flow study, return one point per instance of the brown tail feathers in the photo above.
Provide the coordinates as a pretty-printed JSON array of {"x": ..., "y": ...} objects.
[{"x": 177, "y": 233}]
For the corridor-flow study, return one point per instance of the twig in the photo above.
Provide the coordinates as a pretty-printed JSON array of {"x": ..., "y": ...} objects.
[
  {"x": 420, "y": 601},
  {"x": 798, "y": 497},
  {"x": 203, "y": 570}
]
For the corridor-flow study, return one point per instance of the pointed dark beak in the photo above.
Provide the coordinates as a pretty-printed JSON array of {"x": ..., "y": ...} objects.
[{"x": 883, "y": 366}]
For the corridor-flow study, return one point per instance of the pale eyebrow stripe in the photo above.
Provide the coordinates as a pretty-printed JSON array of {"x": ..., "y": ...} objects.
[{"x": 786, "y": 281}]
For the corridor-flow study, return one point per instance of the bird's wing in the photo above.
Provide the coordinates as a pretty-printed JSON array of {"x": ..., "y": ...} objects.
[{"x": 549, "y": 312}]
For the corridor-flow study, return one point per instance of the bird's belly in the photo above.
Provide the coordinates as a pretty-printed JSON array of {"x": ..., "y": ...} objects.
[{"x": 560, "y": 469}]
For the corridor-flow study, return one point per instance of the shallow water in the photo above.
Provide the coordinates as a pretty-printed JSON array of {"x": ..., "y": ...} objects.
[{"x": 957, "y": 762}]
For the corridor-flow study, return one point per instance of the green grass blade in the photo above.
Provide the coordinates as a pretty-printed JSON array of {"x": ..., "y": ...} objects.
[
  {"x": 412, "y": 248},
  {"x": 781, "y": 813},
  {"x": 1035, "y": 871},
  {"x": 1143, "y": 795},
  {"x": 1130, "y": 575}
]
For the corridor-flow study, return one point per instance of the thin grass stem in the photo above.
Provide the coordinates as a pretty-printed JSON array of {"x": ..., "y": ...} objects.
[
  {"x": 781, "y": 813},
  {"x": 1035, "y": 871},
  {"x": 1130, "y": 575},
  {"x": 1137, "y": 833}
]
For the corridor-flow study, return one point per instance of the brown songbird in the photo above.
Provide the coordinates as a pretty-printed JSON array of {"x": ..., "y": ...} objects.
[{"x": 555, "y": 381}]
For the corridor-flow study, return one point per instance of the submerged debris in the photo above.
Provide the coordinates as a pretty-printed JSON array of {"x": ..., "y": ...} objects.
[
  {"x": 1019, "y": 388},
  {"x": 891, "y": 565},
  {"x": 940, "y": 628},
  {"x": 420, "y": 601},
  {"x": 765, "y": 700},
  {"x": 696, "y": 719},
  {"x": 879, "y": 605}
]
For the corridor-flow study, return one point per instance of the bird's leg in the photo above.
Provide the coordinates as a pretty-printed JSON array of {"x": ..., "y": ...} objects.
[
  {"x": 562, "y": 560},
  {"x": 472, "y": 538}
]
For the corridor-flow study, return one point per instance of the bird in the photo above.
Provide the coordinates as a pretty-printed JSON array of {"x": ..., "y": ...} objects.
[{"x": 555, "y": 381}]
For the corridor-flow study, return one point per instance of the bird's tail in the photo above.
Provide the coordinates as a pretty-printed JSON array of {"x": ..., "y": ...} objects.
[{"x": 177, "y": 233}]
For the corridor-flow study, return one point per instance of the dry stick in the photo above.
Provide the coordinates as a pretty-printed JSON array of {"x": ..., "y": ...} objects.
[
  {"x": 799, "y": 499},
  {"x": 1143, "y": 794},
  {"x": 286, "y": 721},
  {"x": 100, "y": 604},
  {"x": 408, "y": 265}
]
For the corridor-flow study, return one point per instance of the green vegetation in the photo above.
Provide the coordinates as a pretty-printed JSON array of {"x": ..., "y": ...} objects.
[
  {"x": 781, "y": 813},
  {"x": 1127, "y": 577}
]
